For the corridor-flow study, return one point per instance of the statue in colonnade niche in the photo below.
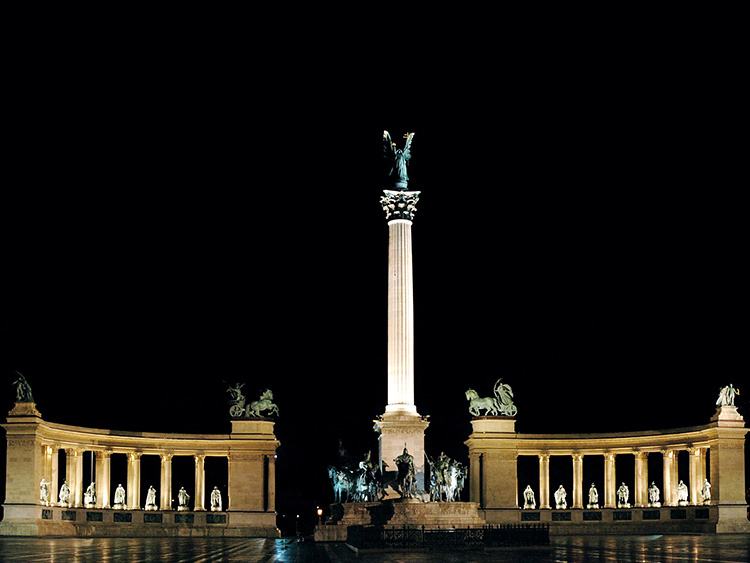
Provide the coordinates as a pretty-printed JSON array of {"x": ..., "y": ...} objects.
[
  {"x": 726, "y": 396},
  {"x": 44, "y": 492},
  {"x": 706, "y": 491},
  {"x": 561, "y": 497},
  {"x": 64, "y": 494},
  {"x": 529, "y": 501},
  {"x": 23, "y": 390},
  {"x": 89, "y": 497},
  {"x": 593, "y": 497},
  {"x": 654, "y": 495},
  {"x": 183, "y": 499},
  {"x": 216, "y": 500},
  {"x": 501, "y": 403},
  {"x": 623, "y": 496},
  {"x": 682, "y": 493},
  {"x": 119, "y": 497},
  {"x": 151, "y": 499}
]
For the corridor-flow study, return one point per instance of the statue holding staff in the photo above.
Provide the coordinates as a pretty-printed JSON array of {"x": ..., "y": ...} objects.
[{"x": 398, "y": 158}]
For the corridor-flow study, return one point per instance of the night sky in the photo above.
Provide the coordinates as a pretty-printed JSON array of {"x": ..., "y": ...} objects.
[{"x": 583, "y": 238}]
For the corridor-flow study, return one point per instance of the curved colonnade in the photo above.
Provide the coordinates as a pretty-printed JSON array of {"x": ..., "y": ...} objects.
[
  {"x": 34, "y": 447},
  {"x": 715, "y": 452}
]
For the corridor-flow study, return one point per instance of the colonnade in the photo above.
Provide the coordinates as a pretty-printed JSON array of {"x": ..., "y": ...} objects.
[
  {"x": 670, "y": 477},
  {"x": 102, "y": 476},
  {"x": 715, "y": 452},
  {"x": 34, "y": 447}
]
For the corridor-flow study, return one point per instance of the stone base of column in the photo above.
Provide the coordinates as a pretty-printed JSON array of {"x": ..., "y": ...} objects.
[{"x": 399, "y": 429}]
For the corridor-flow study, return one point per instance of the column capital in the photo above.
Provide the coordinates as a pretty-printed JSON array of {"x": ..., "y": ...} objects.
[
  {"x": 166, "y": 456},
  {"x": 399, "y": 204},
  {"x": 543, "y": 457},
  {"x": 103, "y": 454}
]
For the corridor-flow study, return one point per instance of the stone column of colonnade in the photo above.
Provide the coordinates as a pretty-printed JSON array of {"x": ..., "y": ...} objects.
[
  {"x": 639, "y": 496},
  {"x": 133, "y": 488},
  {"x": 103, "y": 473},
  {"x": 165, "y": 497},
  {"x": 74, "y": 477}
]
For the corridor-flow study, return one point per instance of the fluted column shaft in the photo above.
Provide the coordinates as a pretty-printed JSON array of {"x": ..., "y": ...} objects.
[{"x": 400, "y": 317}]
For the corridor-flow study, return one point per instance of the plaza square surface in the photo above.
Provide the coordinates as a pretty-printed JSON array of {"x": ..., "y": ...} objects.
[{"x": 624, "y": 549}]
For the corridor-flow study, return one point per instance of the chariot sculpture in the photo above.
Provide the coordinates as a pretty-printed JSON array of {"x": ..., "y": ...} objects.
[
  {"x": 239, "y": 408},
  {"x": 500, "y": 404}
]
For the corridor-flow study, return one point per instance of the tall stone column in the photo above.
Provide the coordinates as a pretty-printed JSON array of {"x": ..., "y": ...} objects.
[
  {"x": 609, "y": 480},
  {"x": 103, "y": 460},
  {"x": 200, "y": 482},
  {"x": 544, "y": 481},
  {"x": 74, "y": 475},
  {"x": 55, "y": 475},
  {"x": 695, "y": 475},
  {"x": 668, "y": 469},
  {"x": 134, "y": 480},
  {"x": 165, "y": 502},
  {"x": 400, "y": 426},
  {"x": 641, "y": 478},
  {"x": 577, "y": 480}
]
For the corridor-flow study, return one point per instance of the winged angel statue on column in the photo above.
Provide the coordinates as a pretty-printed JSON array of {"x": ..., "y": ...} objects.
[{"x": 399, "y": 158}]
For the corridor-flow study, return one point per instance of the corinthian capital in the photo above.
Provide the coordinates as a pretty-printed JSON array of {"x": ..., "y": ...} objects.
[{"x": 399, "y": 205}]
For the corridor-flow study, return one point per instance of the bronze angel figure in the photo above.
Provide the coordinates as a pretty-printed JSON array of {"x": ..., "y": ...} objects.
[{"x": 398, "y": 158}]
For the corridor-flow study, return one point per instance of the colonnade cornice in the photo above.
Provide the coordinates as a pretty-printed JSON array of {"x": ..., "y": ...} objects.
[
  {"x": 78, "y": 438},
  {"x": 595, "y": 444}
]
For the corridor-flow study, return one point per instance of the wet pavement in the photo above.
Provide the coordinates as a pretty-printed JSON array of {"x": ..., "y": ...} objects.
[{"x": 620, "y": 549}]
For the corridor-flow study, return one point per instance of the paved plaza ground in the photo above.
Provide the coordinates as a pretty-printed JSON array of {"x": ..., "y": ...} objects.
[{"x": 619, "y": 549}]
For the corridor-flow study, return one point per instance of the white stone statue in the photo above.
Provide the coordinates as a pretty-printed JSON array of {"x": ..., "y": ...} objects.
[
  {"x": 706, "y": 492},
  {"x": 44, "y": 492},
  {"x": 593, "y": 497},
  {"x": 64, "y": 494},
  {"x": 89, "y": 497},
  {"x": 682, "y": 494},
  {"x": 726, "y": 396},
  {"x": 623, "y": 495},
  {"x": 654, "y": 495},
  {"x": 119, "y": 497},
  {"x": 216, "y": 500},
  {"x": 528, "y": 498},
  {"x": 151, "y": 499},
  {"x": 561, "y": 498},
  {"x": 183, "y": 499}
]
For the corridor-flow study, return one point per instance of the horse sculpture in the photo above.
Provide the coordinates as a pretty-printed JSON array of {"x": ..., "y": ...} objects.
[{"x": 265, "y": 403}]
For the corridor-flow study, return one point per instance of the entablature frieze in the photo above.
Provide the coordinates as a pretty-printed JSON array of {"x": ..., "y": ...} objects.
[
  {"x": 108, "y": 442},
  {"x": 641, "y": 444}
]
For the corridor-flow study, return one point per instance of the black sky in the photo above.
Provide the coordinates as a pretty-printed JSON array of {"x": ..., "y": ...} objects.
[{"x": 581, "y": 233}]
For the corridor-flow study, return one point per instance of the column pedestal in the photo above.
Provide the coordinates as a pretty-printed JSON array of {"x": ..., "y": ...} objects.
[{"x": 399, "y": 430}]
